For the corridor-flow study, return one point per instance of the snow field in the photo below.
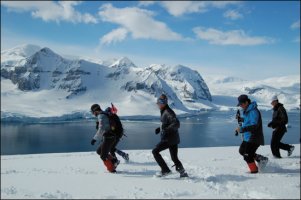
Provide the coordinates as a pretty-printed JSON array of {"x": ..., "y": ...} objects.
[{"x": 215, "y": 172}]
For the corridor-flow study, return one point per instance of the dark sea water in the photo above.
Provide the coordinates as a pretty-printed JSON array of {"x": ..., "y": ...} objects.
[{"x": 212, "y": 129}]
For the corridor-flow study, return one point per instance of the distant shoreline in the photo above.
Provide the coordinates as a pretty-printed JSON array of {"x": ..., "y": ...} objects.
[{"x": 84, "y": 117}]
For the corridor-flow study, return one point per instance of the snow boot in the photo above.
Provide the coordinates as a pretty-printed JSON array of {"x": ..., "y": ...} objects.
[
  {"x": 253, "y": 168},
  {"x": 114, "y": 160},
  {"x": 163, "y": 173},
  {"x": 124, "y": 155},
  {"x": 182, "y": 172},
  {"x": 263, "y": 163},
  {"x": 290, "y": 151},
  {"x": 110, "y": 166}
]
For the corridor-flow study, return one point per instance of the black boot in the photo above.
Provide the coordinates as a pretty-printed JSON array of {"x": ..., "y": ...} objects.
[
  {"x": 182, "y": 171},
  {"x": 124, "y": 155},
  {"x": 163, "y": 173}
]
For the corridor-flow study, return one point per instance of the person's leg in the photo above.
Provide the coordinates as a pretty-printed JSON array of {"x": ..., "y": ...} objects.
[
  {"x": 283, "y": 146},
  {"x": 242, "y": 148},
  {"x": 276, "y": 137},
  {"x": 174, "y": 156},
  {"x": 124, "y": 155},
  {"x": 113, "y": 149},
  {"x": 98, "y": 150},
  {"x": 173, "y": 150},
  {"x": 156, "y": 152},
  {"x": 249, "y": 156},
  {"x": 105, "y": 149}
]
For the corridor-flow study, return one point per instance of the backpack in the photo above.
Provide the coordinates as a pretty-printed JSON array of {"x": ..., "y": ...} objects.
[{"x": 115, "y": 123}]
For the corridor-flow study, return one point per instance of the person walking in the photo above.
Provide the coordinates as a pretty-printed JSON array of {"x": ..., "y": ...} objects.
[
  {"x": 252, "y": 132},
  {"x": 119, "y": 132},
  {"x": 108, "y": 138},
  {"x": 278, "y": 123},
  {"x": 169, "y": 138}
]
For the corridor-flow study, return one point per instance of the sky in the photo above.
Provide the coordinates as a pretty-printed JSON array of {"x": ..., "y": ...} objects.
[{"x": 247, "y": 39}]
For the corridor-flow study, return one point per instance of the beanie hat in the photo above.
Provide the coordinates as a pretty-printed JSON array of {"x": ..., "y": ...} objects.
[
  {"x": 274, "y": 98},
  {"x": 162, "y": 100}
]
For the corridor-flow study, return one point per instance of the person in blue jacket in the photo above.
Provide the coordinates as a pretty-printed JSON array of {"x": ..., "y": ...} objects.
[{"x": 252, "y": 132}]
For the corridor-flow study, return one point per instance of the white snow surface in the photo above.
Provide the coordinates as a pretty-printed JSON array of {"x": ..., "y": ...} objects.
[{"x": 215, "y": 172}]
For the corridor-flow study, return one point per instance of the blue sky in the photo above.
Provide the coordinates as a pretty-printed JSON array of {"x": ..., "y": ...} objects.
[{"x": 249, "y": 39}]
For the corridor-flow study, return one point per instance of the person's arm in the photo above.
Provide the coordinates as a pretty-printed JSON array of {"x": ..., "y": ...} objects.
[
  {"x": 101, "y": 128},
  {"x": 254, "y": 117}
]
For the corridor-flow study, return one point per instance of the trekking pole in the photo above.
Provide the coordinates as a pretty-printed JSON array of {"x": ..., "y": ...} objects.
[{"x": 239, "y": 121}]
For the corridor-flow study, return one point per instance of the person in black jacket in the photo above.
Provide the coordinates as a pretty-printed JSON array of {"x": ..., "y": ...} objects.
[
  {"x": 169, "y": 138},
  {"x": 105, "y": 134},
  {"x": 278, "y": 123}
]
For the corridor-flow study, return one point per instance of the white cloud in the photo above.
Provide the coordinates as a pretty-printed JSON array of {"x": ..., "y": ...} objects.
[
  {"x": 178, "y": 8},
  {"x": 114, "y": 36},
  {"x": 146, "y": 3},
  {"x": 295, "y": 25},
  {"x": 139, "y": 22},
  {"x": 51, "y": 11},
  {"x": 233, "y": 37},
  {"x": 233, "y": 14}
]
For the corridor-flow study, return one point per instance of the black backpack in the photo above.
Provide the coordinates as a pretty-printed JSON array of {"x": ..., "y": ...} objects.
[{"x": 115, "y": 123}]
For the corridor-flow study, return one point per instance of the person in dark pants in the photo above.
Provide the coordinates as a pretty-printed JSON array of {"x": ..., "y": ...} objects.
[
  {"x": 278, "y": 123},
  {"x": 104, "y": 132},
  {"x": 124, "y": 155},
  {"x": 169, "y": 138},
  {"x": 252, "y": 134}
]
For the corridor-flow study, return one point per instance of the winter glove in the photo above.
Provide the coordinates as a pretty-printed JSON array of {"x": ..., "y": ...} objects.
[
  {"x": 237, "y": 130},
  {"x": 97, "y": 125},
  {"x": 239, "y": 119},
  {"x": 157, "y": 131},
  {"x": 93, "y": 142},
  {"x": 270, "y": 124}
]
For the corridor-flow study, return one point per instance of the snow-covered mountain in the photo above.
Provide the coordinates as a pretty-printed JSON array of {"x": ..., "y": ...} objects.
[
  {"x": 37, "y": 82},
  {"x": 45, "y": 81},
  {"x": 17, "y": 55},
  {"x": 225, "y": 90}
]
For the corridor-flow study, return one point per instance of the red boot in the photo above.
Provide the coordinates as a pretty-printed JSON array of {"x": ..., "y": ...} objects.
[
  {"x": 253, "y": 167},
  {"x": 110, "y": 166}
]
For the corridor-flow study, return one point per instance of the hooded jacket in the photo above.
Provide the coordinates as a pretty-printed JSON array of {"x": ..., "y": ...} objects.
[{"x": 252, "y": 125}]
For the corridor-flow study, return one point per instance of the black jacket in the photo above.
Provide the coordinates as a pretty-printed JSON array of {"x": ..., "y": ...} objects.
[
  {"x": 170, "y": 126},
  {"x": 280, "y": 118}
]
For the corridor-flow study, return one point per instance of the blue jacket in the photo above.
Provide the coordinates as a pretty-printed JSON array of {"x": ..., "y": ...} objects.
[{"x": 252, "y": 125}]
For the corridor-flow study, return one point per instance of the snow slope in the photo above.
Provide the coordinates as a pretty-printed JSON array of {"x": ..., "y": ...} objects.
[
  {"x": 225, "y": 90},
  {"x": 216, "y": 172},
  {"x": 45, "y": 79},
  {"x": 18, "y": 54}
]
